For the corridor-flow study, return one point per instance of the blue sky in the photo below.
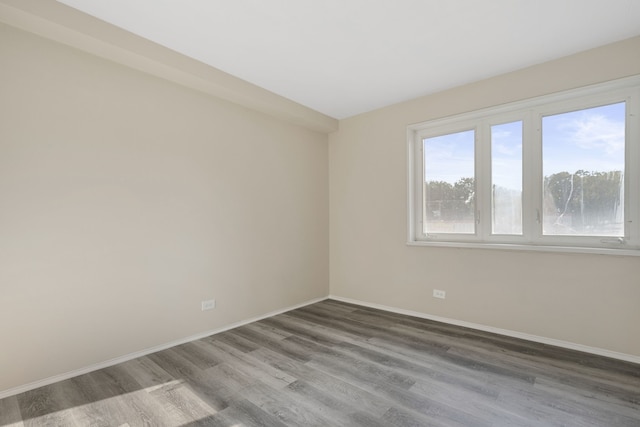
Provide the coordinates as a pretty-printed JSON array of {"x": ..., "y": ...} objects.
[
  {"x": 591, "y": 140},
  {"x": 449, "y": 157},
  {"x": 506, "y": 155}
]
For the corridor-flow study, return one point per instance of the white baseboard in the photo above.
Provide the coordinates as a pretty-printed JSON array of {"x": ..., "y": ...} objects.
[
  {"x": 147, "y": 351},
  {"x": 506, "y": 332}
]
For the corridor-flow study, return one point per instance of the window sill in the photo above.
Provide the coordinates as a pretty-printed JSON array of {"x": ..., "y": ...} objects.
[{"x": 531, "y": 248}]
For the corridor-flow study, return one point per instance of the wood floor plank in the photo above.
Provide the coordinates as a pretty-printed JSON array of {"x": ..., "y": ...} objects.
[
  {"x": 92, "y": 406},
  {"x": 48, "y": 405},
  {"x": 261, "y": 371},
  {"x": 362, "y": 370},
  {"x": 446, "y": 370},
  {"x": 266, "y": 330},
  {"x": 217, "y": 397},
  {"x": 181, "y": 403},
  {"x": 339, "y": 364},
  {"x": 479, "y": 338},
  {"x": 338, "y": 411},
  {"x": 339, "y": 306},
  {"x": 57, "y": 418},
  {"x": 606, "y": 403},
  {"x": 229, "y": 377},
  {"x": 404, "y": 418},
  {"x": 112, "y": 396},
  {"x": 10, "y": 412},
  {"x": 534, "y": 364},
  {"x": 347, "y": 392},
  {"x": 589, "y": 380},
  {"x": 235, "y": 340},
  {"x": 299, "y": 328},
  {"x": 431, "y": 369},
  {"x": 337, "y": 324},
  {"x": 148, "y": 374},
  {"x": 287, "y": 407},
  {"x": 200, "y": 357},
  {"x": 399, "y": 396},
  {"x": 241, "y": 413},
  {"x": 482, "y": 406},
  {"x": 292, "y": 346}
]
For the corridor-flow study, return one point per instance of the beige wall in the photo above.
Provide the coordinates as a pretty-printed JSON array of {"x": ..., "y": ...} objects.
[
  {"x": 125, "y": 200},
  {"x": 592, "y": 300}
]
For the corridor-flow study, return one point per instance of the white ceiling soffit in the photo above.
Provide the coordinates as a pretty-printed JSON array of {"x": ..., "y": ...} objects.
[
  {"x": 66, "y": 25},
  {"x": 346, "y": 57}
]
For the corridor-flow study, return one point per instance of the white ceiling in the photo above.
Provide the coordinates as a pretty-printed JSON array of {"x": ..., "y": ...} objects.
[{"x": 346, "y": 57}]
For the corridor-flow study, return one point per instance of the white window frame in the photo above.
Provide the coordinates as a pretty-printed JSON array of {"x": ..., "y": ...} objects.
[{"x": 530, "y": 112}]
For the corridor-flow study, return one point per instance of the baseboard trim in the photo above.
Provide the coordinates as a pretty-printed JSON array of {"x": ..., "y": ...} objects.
[
  {"x": 65, "y": 376},
  {"x": 499, "y": 331}
]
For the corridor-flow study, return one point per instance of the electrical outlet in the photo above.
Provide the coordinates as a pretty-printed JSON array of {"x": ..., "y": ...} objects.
[
  {"x": 437, "y": 293},
  {"x": 209, "y": 304}
]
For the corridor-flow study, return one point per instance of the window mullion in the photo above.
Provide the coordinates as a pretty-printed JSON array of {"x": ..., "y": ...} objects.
[
  {"x": 419, "y": 188},
  {"x": 532, "y": 177},
  {"x": 483, "y": 180}
]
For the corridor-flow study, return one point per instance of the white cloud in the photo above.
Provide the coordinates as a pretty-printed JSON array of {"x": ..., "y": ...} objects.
[{"x": 596, "y": 132}]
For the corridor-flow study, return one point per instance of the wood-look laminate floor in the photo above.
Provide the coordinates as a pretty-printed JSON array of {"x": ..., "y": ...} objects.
[{"x": 336, "y": 364}]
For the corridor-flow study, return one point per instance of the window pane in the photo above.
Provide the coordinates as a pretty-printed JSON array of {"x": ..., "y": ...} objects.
[
  {"x": 583, "y": 167},
  {"x": 449, "y": 183},
  {"x": 506, "y": 178}
]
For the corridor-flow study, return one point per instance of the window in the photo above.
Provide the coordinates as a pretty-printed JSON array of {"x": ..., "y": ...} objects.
[
  {"x": 583, "y": 170},
  {"x": 449, "y": 183},
  {"x": 559, "y": 172},
  {"x": 506, "y": 178}
]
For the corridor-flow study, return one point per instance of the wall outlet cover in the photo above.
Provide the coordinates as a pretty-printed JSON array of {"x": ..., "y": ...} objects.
[
  {"x": 209, "y": 304},
  {"x": 437, "y": 293}
]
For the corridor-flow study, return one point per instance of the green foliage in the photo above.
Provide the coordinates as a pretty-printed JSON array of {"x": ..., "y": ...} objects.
[
  {"x": 583, "y": 199},
  {"x": 451, "y": 202},
  {"x": 580, "y": 200}
]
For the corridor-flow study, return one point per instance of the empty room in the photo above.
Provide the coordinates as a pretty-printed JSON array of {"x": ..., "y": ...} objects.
[{"x": 320, "y": 213}]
